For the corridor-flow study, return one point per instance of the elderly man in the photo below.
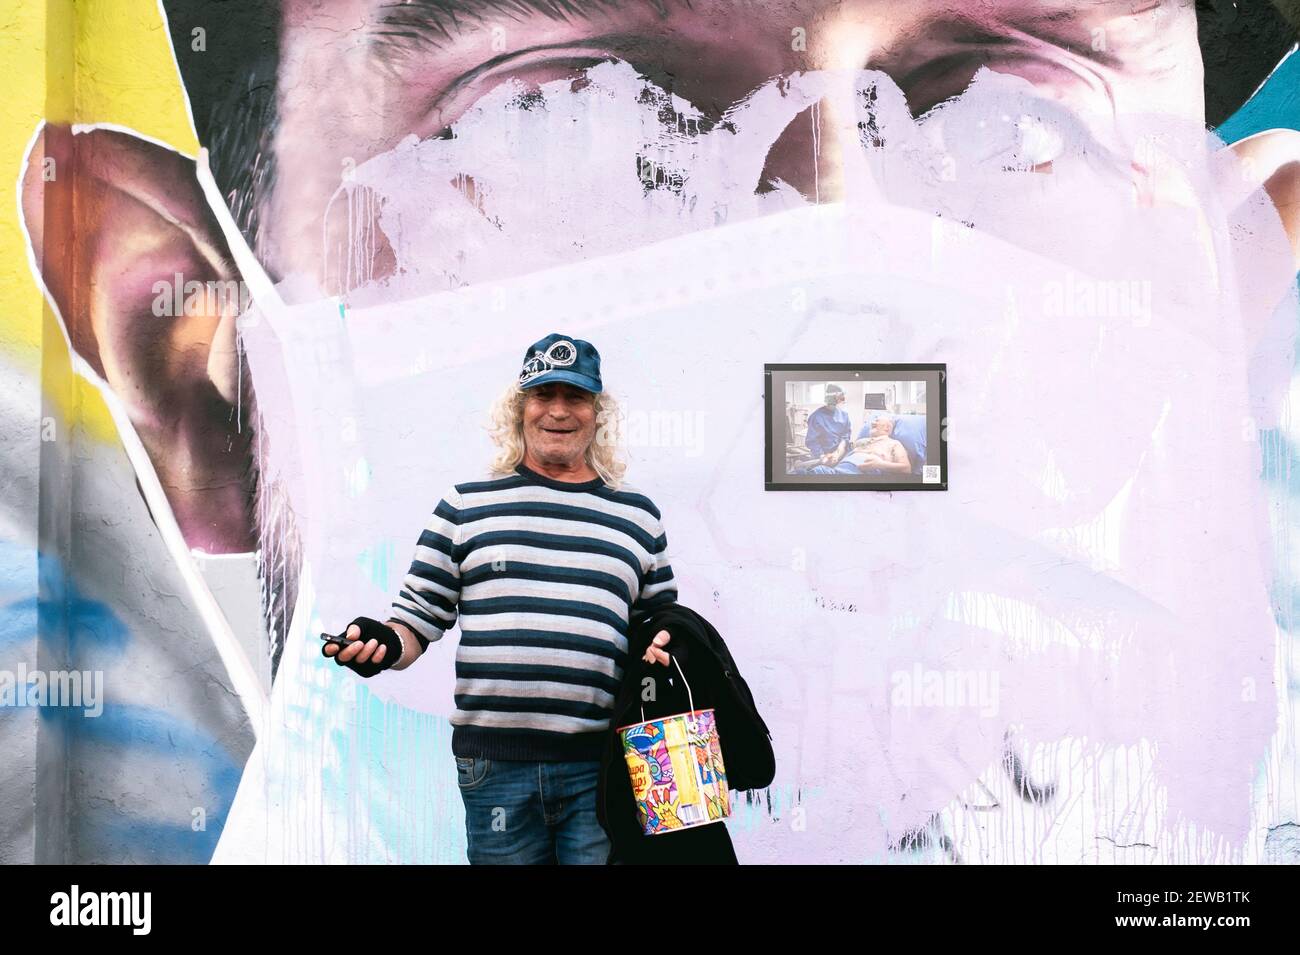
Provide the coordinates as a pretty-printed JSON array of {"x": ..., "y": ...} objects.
[
  {"x": 549, "y": 559},
  {"x": 879, "y": 452},
  {"x": 879, "y": 449}
]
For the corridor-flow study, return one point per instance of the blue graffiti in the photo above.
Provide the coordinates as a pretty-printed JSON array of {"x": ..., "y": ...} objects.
[
  {"x": 105, "y": 828},
  {"x": 58, "y": 607}
]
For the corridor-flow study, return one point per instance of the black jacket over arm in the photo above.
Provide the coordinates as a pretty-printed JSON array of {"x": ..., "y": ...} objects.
[{"x": 715, "y": 682}]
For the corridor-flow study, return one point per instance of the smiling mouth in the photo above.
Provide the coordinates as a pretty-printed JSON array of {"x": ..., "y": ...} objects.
[{"x": 559, "y": 430}]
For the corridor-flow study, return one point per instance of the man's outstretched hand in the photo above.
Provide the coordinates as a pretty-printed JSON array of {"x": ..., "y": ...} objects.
[
  {"x": 372, "y": 647},
  {"x": 362, "y": 651}
]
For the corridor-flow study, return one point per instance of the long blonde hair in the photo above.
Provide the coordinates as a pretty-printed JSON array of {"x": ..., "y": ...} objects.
[{"x": 604, "y": 454}]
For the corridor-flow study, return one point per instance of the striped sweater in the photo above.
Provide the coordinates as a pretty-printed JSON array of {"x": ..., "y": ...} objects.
[{"x": 544, "y": 577}]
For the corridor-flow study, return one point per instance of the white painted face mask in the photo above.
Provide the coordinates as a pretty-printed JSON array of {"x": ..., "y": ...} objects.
[{"x": 1099, "y": 565}]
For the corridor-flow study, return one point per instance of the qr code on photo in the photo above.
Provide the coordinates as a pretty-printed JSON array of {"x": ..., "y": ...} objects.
[{"x": 930, "y": 474}]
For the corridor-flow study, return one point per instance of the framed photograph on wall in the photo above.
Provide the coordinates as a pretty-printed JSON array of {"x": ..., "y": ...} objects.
[{"x": 856, "y": 427}]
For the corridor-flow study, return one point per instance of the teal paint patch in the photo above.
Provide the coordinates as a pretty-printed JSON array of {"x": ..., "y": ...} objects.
[{"x": 1275, "y": 106}]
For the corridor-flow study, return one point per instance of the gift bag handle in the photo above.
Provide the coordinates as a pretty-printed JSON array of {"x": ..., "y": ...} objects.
[{"x": 690, "y": 697}]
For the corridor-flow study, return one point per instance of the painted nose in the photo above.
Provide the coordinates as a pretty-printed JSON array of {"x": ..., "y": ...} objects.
[
  {"x": 807, "y": 156},
  {"x": 821, "y": 151}
]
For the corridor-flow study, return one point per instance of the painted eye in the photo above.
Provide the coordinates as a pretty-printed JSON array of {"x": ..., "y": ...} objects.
[
  {"x": 980, "y": 138},
  {"x": 526, "y": 73}
]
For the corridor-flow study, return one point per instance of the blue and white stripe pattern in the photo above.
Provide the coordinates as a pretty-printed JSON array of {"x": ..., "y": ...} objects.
[{"x": 544, "y": 577}]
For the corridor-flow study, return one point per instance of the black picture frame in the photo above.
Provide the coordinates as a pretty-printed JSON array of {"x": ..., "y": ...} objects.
[{"x": 780, "y": 448}]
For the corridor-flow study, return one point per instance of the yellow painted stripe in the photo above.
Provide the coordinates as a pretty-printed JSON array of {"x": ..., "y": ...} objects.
[{"x": 124, "y": 75}]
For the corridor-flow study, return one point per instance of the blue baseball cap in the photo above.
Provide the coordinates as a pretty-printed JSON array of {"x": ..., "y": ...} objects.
[{"x": 561, "y": 358}]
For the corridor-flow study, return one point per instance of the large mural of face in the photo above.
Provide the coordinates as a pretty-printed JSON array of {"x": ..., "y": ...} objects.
[{"x": 1007, "y": 187}]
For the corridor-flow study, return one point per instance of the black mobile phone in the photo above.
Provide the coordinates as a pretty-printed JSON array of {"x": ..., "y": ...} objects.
[{"x": 341, "y": 638}]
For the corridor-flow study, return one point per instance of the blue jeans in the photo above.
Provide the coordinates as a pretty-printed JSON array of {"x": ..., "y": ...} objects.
[{"x": 531, "y": 813}]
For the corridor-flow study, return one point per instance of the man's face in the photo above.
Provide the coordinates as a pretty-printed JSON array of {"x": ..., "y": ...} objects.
[
  {"x": 559, "y": 422},
  {"x": 882, "y": 426},
  {"x": 362, "y": 84},
  {"x": 358, "y": 76}
]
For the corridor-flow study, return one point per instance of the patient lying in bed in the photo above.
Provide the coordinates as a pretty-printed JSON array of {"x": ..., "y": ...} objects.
[{"x": 877, "y": 453}]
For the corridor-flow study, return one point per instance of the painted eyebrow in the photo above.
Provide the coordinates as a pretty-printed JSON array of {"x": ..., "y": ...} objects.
[{"x": 431, "y": 24}]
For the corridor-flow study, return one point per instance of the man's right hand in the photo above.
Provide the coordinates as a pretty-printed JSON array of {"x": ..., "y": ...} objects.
[
  {"x": 357, "y": 649},
  {"x": 372, "y": 647}
]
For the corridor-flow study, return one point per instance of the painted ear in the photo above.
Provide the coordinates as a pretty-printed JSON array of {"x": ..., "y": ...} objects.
[
  {"x": 114, "y": 219},
  {"x": 1271, "y": 159},
  {"x": 138, "y": 269}
]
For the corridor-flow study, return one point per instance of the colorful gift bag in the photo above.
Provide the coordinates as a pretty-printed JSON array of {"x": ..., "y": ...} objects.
[{"x": 675, "y": 763}]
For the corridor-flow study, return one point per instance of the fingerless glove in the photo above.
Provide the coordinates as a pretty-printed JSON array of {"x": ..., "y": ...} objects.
[{"x": 372, "y": 630}]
